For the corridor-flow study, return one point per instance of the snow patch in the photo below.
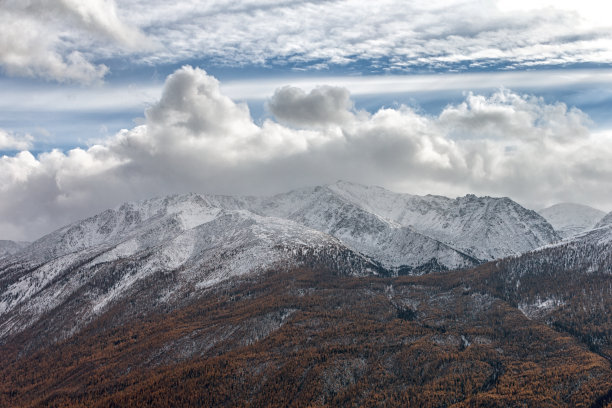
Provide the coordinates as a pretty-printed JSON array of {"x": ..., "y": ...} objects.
[{"x": 540, "y": 307}]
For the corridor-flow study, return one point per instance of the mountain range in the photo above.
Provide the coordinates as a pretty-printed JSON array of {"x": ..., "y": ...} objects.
[{"x": 189, "y": 257}]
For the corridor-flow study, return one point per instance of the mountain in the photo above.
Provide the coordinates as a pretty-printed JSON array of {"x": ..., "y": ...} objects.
[
  {"x": 456, "y": 232},
  {"x": 295, "y": 299},
  {"x": 168, "y": 248},
  {"x": 11, "y": 247},
  {"x": 570, "y": 219},
  {"x": 605, "y": 221},
  {"x": 395, "y": 246},
  {"x": 484, "y": 227},
  {"x": 198, "y": 241}
]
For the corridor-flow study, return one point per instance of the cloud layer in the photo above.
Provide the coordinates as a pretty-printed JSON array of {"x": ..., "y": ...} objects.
[
  {"x": 197, "y": 139},
  {"x": 71, "y": 40},
  {"x": 390, "y": 35}
]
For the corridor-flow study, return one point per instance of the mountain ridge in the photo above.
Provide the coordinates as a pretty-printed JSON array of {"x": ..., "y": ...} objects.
[
  {"x": 439, "y": 218},
  {"x": 8, "y": 247},
  {"x": 569, "y": 219},
  {"x": 258, "y": 294}
]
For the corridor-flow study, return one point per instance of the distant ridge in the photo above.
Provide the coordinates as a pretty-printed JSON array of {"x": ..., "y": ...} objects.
[
  {"x": 11, "y": 247},
  {"x": 569, "y": 219}
]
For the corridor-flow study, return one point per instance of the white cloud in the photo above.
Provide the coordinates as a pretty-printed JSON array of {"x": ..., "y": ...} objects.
[
  {"x": 10, "y": 141},
  {"x": 197, "y": 139},
  {"x": 54, "y": 39},
  {"x": 391, "y": 34},
  {"x": 506, "y": 114},
  {"x": 66, "y": 40}
]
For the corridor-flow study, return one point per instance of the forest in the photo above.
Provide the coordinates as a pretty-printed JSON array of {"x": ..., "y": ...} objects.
[{"x": 312, "y": 336}]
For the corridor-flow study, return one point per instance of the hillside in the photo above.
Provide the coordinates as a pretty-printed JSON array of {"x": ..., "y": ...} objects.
[{"x": 307, "y": 337}]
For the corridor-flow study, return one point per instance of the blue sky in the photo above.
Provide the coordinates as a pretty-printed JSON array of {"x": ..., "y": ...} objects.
[{"x": 447, "y": 97}]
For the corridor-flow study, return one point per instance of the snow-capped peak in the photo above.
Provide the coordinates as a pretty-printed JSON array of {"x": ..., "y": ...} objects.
[
  {"x": 570, "y": 219},
  {"x": 483, "y": 227}
]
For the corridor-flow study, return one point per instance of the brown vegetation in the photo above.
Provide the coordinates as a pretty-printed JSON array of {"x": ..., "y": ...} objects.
[{"x": 308, "y": 337}]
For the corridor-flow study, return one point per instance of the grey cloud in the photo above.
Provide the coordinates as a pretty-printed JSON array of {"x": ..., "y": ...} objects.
[
  {"x": 196, "y": 139},
  {"x": 324, "y": 105}
]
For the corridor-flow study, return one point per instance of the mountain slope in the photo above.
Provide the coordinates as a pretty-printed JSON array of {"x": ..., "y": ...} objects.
[
  {"x": 213, "y": 300},
  {"x": 570, "y": 219},
  {"x": 395, "y": 246},
  {"x": 481, "y": 228},
  {"x": 75, "y": 273},
  {"x": 308, "y": 337},
  {"x": 8, "y": 248},
  {"x": 79, "y": 271},
  {"x": 567, "y": 285}
]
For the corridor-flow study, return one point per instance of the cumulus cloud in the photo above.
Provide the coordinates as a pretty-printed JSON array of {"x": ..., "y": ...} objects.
[
  {"x": 506, "y": 115},
  {"x": 323, "y": 106},
  {"x": 197, "y": 139},
  {"x": 54, "y": 39},
  {"x": 9, "y": 141}
]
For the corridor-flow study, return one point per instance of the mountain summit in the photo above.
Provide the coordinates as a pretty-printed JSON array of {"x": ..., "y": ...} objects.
[
  {"x": 569, "y": 219},
  {"x": 403, "y": 230}
]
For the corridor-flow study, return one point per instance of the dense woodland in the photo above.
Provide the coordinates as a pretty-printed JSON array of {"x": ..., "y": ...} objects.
[{"x": 312, "y": 337}]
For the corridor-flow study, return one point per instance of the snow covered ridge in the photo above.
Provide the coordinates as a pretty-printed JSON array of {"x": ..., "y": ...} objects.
[
  {"x": 407, "y": 230},
  {"x": 570, "y": 219},
  {"x": 154, "y": 251},
  {"x": 8, "y": 248},
  {"x": 173, "y": 247},
  {"x": 397, "y": 230},
  {"x": 605, "y": 221}
]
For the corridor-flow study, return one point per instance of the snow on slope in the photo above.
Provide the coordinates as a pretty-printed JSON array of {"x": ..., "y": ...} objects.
[
  {"x": 106, "y": 258},
  {"x": 172, "y": 247},
  {"x": 11, "y": 247},
  {"x": 570, "y": 219},
  {"x": 393, "y": 245},
  {"x": 599, "y": 236},
  {"x": 605, "y": 221},
  {"x": 483, "y": 228},
  {"x": 587, "y": 252}
]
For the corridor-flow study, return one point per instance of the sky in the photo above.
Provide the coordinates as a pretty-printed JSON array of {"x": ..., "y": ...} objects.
[{"x": 103, "y": 102}]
